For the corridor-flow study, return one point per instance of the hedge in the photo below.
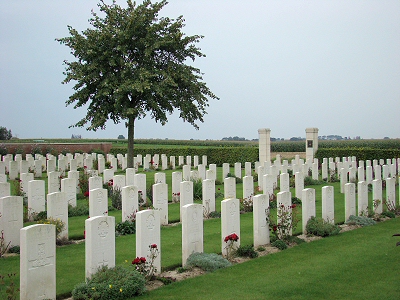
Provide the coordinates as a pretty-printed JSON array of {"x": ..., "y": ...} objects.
[
  {"x": 215, "y": 155},
  {"x": 359, "y": 153}
]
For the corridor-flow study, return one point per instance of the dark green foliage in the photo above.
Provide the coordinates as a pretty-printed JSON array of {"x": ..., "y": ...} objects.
[
  {"x": 246, "y": 251},
  {"x": 296, "y": 201},
  {"x": 207, "y": 261},
  {"x": 292, "y": 239},
  {"x": 40, "y": 216},
  {"x": 215, "y": 214},
  {"x": 166, "y": 280},
  {"x": 197, "y": 189},
  {"x": 389, "y": 214},
  {"x": 14, "y": 249},
  {"x": 360, "y": 220},
  {"x": 81, "y": 209},
  {"x": 281, "y": 245},
  {"x": 5, "y": 134},
  {"x": 116, "y": 198},
  {"x": 116, "y": 283},
  {"x": 319, "y": 227},
  {"x": 361, "y": 153},
  {"x": 127, "y": 227},
  {"x": 309, "y": 181}
]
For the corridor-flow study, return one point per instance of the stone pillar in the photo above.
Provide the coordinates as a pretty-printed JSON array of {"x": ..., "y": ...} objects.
[
  {"x": 264, "y": 144},
  {"x": 311, "y": 142}
]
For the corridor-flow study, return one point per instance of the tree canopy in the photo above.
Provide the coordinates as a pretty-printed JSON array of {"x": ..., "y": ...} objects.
[
  {"x": 5, "y": 134},
  {"x": 131, "y": 63}
]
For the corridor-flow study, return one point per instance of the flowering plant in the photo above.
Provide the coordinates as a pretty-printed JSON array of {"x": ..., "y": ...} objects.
[
  {"x": 286, "y": 221},
  {"x": 144, "y": 266},
  {"x": 230, "y": 245}
]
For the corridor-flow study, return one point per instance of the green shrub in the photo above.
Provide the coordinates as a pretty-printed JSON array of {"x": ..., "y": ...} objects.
[
  {"x": 319, "y": 227},
  {"x": 79, "y": 210},
  {"x": 116, "y": 198},
  {"x": 14, "y": 249},
  {"x": 124, "y": 228},
  {"x": 296, "y": 201},
  {"x": 197, "y": 189},
  {"x": 309, "y": 181},
  {"x": 360, "y": 220},
  {"x": 207, "y": 261},
  {"x": 41, "y": 216},
  {"x": 246, "y": 251},
  {"x": 281, "y": 245},
  {"x": 389, "y": 214},
  {"x": 294, "y": 240},
  {"x": 215, "y": 214},
  {"x": 115, "y": 283}
]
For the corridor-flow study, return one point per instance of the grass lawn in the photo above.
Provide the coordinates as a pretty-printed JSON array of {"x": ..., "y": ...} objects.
[{"x": 328, "y": 260}]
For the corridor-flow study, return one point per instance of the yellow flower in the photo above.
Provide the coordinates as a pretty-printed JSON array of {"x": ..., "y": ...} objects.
[
  {"x": 110, "y": 286},
  {"x": 120, "y": 290},
  {"x": 93, "y": 288},
  {"x": 126, "y": 260}
]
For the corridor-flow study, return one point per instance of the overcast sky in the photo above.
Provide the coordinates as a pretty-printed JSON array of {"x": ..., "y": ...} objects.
[{"x": 283, "y": 65}]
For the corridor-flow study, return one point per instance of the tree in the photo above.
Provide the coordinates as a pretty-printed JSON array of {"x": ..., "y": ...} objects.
[
  {"x": 133, "y": 63},
  {"x": 5, "y": 134}
]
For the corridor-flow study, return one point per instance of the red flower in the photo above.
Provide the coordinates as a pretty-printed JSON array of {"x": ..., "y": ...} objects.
[
  {"x": 293, "y": 206},
  {"x": 86, "y": 194},
  {"x": 178, "y": 194},
  {"x": 136, "y": 261},
  {"x": 85, "y": 167},
  {"x": 143, "y": 260},
  {"x": 153, "y": 246},
  {"x": 275, "y": 228},
  {"x": 226, "y": 239}
]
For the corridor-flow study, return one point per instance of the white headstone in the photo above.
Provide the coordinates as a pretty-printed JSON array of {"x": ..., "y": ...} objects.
[
  {"x": 53, "y": 182},
  {"x": 192, "y": 230},
  {"x": 147, "y": 234},
  {"x": 68, "y": 186},
  {"x": 328, "y": 204},
  {"x": 176, "y": 189},
  {"x": 186, "y": 194},
  {"x": 57, "y": 208},
  {"x": 377, "y": 195},
  {"x": 230, "y": 221},
  {"x": 130, "y": 176},
  {"x": 36, "y": 197},
  {"x": 308, "y": 206},
  {"x": 130, "y": 204},
  {"x": 99, "y": 244},
  {"x": 350, "y": 200},
  {"x": 11, "y": 220},
  {"x": 208, "y": 195},
  {"x": 5, "y": 189},
  {"x": 362, "y": 194},
  {"x": 160, "y": 201},
  {"x": 140, "y": 183},
  {"x": 38, "y": 262},
  {"x": 229, "y": 187},
  {"x": 98, "y": 202},
  {"x": 284, "y": 182},
  {"x": 260, "y": 224}
]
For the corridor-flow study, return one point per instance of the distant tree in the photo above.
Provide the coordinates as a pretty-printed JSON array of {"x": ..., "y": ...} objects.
[
  {"x": 5, "y": 134},
  {"x": 132, "y": 63},
  {"x": 121, "y": 137}
]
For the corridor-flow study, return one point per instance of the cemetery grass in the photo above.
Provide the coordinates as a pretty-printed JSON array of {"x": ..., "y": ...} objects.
[
  {"x": 70, "y": 258},
  {"x": 358, "y": 264}
]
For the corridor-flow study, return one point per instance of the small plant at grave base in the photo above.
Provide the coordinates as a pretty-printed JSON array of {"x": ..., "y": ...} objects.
[
  {"x": 11, "y": 289},
  {"x": 260, "y": 248},
  {"x": 281, "y": 245},
  {"x": 319, "y": 227},
  {"x": 14, "y": 249},
  {"x": 376, "y": 203},
  {"x": 272, "y": 201},
  {"x": 40, "y": 216},
  {"x": 391, "y": 206},
  {"x": 286, "y": 221},
  {"x": 81, "y": 209},
  {"x": 149, "y": 194},
  {"x": 126, "y": 227},
  {"x": 18, "y": 188},
  {"x": 60, "y": 225},
  {"x": 3, "y": 246},
  {"x": 246, "y": 204},
  {"x": 230, "y": 245},
  {"x": 246, "y": 251},
  {"x": 296, "y": 201},
  {"x": 116, "y": 283},
  {"x": 214, "y": 215},
  {"x": 116, "y": 198},
  {"x": 146, "y": 267},
  {"x": 176, "y": 197},
  {"x": 388, "y": 214},
  {"x": 197, "y": 188},
  {"x": 83, "y": 182},
  {"x": 208, "y": 262},
  {"x": 360, "y": 220}
]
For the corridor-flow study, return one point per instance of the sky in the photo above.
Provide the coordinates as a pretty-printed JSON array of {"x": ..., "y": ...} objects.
[{"x": 283, "y": 65}]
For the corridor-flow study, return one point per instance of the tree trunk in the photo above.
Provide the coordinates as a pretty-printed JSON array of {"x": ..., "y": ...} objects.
[{"x": 131, "y": 135}]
